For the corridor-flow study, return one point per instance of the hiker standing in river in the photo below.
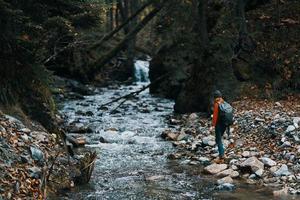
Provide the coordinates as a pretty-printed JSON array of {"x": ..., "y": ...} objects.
[{"x": 222, "y": 119}]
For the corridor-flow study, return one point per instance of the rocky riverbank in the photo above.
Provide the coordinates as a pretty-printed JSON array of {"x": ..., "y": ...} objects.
[
  {"x": 263, "y": 147},
  {"x": 33, "y": 162}
]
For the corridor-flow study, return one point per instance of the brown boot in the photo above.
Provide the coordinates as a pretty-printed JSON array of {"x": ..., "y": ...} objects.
[
  {"x": 231, "y": 145},
  {"x": 220, "y": 160}
]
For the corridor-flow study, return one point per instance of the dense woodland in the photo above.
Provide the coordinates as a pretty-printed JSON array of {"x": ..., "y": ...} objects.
[
  {"x": 200, "y": 45},
  {"x": 245, "y": 48}
]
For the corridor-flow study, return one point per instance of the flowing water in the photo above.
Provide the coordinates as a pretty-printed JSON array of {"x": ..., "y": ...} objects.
[{"x": 132, "y": 158}]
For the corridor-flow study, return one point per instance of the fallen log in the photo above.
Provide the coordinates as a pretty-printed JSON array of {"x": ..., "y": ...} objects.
[{"x": 127, "y": 96}]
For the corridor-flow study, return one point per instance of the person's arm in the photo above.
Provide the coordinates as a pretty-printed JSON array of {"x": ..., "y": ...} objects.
[{"x": 215, "y": 114}]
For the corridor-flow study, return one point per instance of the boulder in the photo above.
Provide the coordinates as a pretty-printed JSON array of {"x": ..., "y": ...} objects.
[
  {"x": 215, "y": 168},
  {"x": 253, "y": 164}
]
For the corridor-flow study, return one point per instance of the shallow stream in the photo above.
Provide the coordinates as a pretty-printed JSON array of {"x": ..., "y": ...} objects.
[{"x": 132, "y": 158}]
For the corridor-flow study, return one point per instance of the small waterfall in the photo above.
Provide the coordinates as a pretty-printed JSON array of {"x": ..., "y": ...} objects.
[{"x": 141, "y": 71}]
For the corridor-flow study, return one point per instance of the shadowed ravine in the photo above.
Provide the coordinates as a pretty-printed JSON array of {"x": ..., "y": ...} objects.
[{"x": 132, "y": 161}]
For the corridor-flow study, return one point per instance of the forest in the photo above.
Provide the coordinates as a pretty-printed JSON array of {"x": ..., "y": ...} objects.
[{"x": 149, "y": 99}]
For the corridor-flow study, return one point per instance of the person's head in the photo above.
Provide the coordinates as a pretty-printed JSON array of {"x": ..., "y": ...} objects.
[{"x": 217, "y": 94}]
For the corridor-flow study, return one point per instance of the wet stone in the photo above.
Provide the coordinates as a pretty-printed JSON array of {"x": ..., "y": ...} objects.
[{"x": 226, "y": 186}]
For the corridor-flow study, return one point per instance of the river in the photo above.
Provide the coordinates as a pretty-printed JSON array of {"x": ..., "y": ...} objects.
[{"x": 132, "y": 158}]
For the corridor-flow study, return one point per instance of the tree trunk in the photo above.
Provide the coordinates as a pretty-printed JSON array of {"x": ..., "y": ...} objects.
[
  {"x": 108, "y": 27},
  {"x": 202, "y": 7},
  {"x": 111, "y": 16},
  {"x": 278, "y": 12},
  {"x": 240, "y": 15},
  {"x": 102, "y": 61},
  {"x": 117, "y": 29}
]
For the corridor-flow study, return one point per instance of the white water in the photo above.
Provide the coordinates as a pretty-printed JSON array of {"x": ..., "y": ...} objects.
[{"x": 141, "y": 71}]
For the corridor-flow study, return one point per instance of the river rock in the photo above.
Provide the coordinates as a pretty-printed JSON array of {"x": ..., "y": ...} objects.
[
  {"x": 35, "y": 172},
  {"x": 24, "y": 158},
  {"x": 169, "y": 135},
  {"x": 209, "y": 141},
  {"x": 246, "y": 154},
  {"x": 193, "y": 117},
  {"x": 228, "y": 172},
  {"x": 290, "y": 128},
  {"x": 226, "y": 179},
  {"x": 215, "y": 168},
  {"x": 259, "y": 173},
  {"x": 268, "y": 162},
  {"x": 253, "y": 163},
  {"x": 25, "y": 130},
  {"x": 17, "y": 122},
  {"x": 2, "y": 129},
  {"x": 182, "y": 136},
  {"x": 226, "y": 186},
  {"x": 252, "y": 176},
  {"x": 282, "y": 192},
  {"x": 282, "y": 171},
  {"x": 36, "y": 154},
  {"x": 296, "y": 121},
  {"x": 79, "y": 128},
  {"x": 273, "y": 169},
  {"x": 25, "y": 138},
  {"x": 286, "y": 144},
  {"x": 204, "y": 160}
]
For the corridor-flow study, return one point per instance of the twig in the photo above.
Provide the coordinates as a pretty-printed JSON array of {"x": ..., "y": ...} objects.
[
  {"x": 118, "y": 106},
  {"x": 52, "y": 166}
]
